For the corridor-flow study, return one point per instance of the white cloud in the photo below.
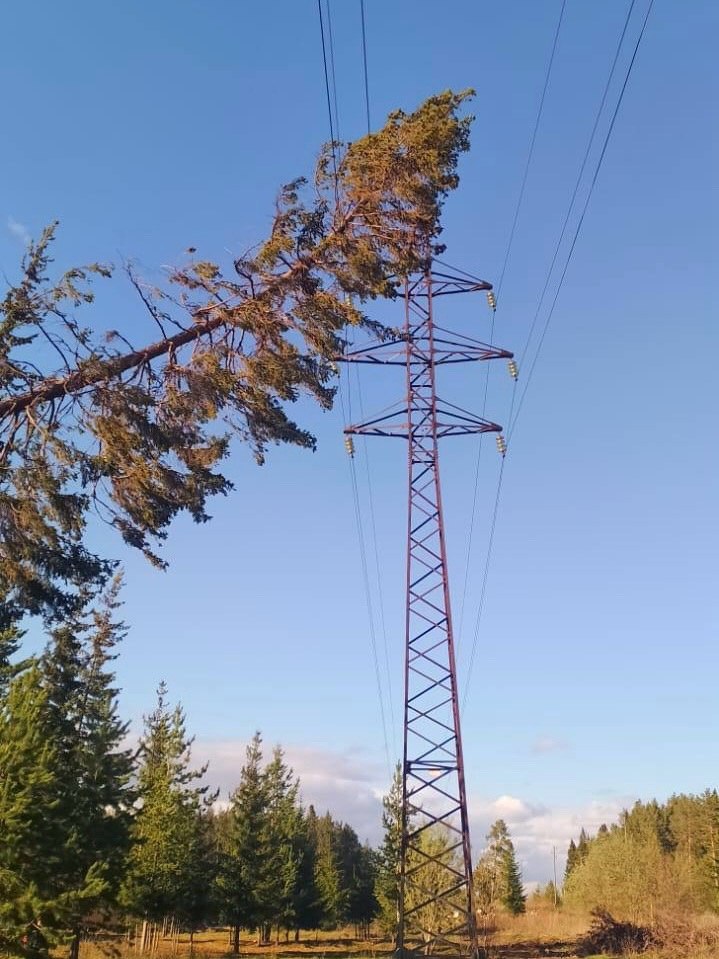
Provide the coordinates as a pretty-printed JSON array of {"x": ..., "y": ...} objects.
[
  {"x": 351, "y": 787},
  {"x": 346, "y": 783},
  {"x": 19, "y": 230},
  {"x": 517, "y": 810},
  {"x": 538, "y": 830}
]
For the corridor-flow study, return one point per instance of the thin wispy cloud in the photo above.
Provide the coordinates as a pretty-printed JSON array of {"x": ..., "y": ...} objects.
[
  {"x": 548, "y": 744},
  {"x": 19, "y": 231}
]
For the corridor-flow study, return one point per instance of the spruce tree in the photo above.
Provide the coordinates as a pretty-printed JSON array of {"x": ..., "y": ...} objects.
[
  {"x": 96, "y": 799},
  {"x": 38, "y": 850},
  {"x": 169, "y": 830},
  {"x": 242, "y": 870},
  {"x": 283, "y": 842},
  {"x": 498, "y": 879},
  {"x": 388, "y": 864},
  {"x": 583, "y": 845},
  {"x": 515, "y": 898},
  {"x": 362, "y": 905},
  {"x": 328, "y": 881},
  {"x": 199, "y": 905},
  {"x": 78, "y": 842},
  {"x": 307, "y": 905},
  {"x": 572, "y": 860}
]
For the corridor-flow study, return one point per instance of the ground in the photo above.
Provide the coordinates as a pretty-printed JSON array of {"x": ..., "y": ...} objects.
[
  {"x": 209, "y": 944},
  {"x": 505, "y": 944}
]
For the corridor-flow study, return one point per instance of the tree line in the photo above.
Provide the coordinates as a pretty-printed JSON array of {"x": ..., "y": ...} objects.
[
  {"x": 263, "y": 862},
  {"x": 95, "y": 832},
  {"x": 657, "y": 859}
]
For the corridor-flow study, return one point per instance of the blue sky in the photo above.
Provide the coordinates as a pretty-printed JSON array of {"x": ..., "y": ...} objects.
[{"x": 147, "y": 128}]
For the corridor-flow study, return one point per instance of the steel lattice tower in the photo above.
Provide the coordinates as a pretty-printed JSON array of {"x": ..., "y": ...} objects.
[{"x": 436, "y": 908}]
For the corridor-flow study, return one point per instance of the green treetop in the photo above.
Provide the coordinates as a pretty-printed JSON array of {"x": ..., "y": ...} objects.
[
  {"x": 283, "y": 845},
  {"x": 387, "y": 885},
  {"x": 328, "y": 880},
  {"x": 65, "y": 779},
  {"x": 96, "y": 799},
  {"x": 139, "y": 431},
  {"x": 242, "y": 870},
  {"x": 169, "y": 835},
  {"x": 39, "y": 885},
  {"x": 498, "y": 879}
]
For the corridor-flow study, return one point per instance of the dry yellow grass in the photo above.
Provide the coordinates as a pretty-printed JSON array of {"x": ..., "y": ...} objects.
[
  {"x": 539, "y": 934},
  {"x": 211, "y": 943},
  {"x": 541, "y": 926}
]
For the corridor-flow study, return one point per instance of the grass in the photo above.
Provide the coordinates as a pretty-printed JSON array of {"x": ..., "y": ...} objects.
[
  {"x": 539, "y": 934},
  {"x": 525, "y": 938}
]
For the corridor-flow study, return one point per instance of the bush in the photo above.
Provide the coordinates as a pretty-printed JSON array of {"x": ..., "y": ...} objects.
[
  {"x": 681, "y": 935},
  {"x": 607, "y": 936}
]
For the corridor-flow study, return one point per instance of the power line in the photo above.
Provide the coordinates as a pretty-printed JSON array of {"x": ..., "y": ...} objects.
[
  {"x": 362, "y": 546},
  {"x": 364, "y": 62},
  {"x": 581, "y": 218},
  {"x": 510, "y": 242},
  {"x": 380, "y": 591},
  {"x": 531, "y": 149},
  {"x": 370, "y": 495},
  {"x": 474, "y": 498},
  {"x": 578, "y": 181},
  {"x": 331, "y": 95},
  {"x": 456, "y": 269},
  {"x": 370, "y": 613},
  {"x": 485, "y": 577},
  {"x": 512, "y": 421},
  {"x": 366, "y": 456},
  {"x": 330, "y": 35},
  {"x": 333, "y": 138},
  {"x": 488, "y": 560},
  {"x": 365, "y": 578}
]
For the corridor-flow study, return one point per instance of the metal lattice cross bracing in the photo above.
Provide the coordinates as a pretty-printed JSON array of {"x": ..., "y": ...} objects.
[{"x": 436, "y": 908}]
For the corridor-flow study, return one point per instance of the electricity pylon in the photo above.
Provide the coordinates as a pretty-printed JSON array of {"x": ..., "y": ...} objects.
[{"x": 436, "y": 900}]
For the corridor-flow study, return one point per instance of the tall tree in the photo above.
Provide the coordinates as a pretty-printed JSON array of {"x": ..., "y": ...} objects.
[
  {"x": 36, "y": 848},
  {"x": 583, "y": 845},
  {"x": 283, "y": 843},
  {"x": 328, "y": 881},
  {"x": 71, "y": 709},
  {"x": 139, "y": 431},
  {"x": 498, "y": 879},
  {"x": 362, "y": 905},
  {"x": 388, "y": 866},
  {"x": 307, "y": 905},
  {"x": 169, "y": 830},
  {"x": 572, "y": 859},
  {"x": 96, "y": 799},
  {"x": 242, "y": 871}
]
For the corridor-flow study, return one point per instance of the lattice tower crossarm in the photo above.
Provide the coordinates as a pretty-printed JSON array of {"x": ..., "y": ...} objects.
[{"x": 436, "y": 912}]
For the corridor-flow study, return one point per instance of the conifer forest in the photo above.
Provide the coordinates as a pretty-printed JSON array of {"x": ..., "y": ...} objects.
[{"x": 138, "y": 401}]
